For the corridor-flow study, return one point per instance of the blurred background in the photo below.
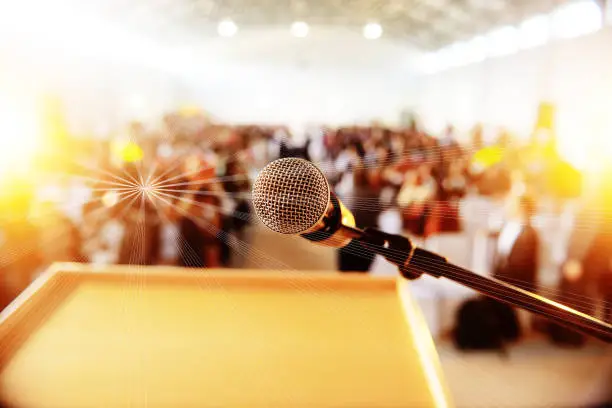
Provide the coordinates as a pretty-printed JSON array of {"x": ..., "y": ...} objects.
[{"x": 130, "y": 133}]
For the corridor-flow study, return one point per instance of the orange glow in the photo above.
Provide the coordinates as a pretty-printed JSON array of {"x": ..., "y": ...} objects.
[{"x": 16, "y": 194}]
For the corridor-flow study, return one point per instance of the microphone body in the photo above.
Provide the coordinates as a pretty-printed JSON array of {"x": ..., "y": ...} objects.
[
  {"x": 336, "y": 228},
  {"x": 292, "y": 196}
]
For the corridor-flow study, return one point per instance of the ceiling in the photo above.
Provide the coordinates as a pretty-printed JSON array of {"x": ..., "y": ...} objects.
[{"x": 425, "y": 24}]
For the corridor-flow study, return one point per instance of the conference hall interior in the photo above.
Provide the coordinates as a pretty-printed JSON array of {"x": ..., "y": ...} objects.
[{"x": 135, "y": 269}]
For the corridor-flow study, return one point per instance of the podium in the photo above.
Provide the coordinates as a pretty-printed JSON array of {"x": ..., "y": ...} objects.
[{"x": 84, "y": 336}]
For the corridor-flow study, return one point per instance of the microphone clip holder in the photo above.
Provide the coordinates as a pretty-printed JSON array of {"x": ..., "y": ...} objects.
[{"x": 400, "y": 251}]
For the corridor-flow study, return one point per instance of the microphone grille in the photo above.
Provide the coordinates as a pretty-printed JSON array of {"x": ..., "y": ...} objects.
[{"x": 290, "y": 195}]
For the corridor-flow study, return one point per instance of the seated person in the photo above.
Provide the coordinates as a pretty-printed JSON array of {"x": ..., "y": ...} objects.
[
  {"x": 453, "y": 188},
  {"x": 415, "y": 200}
]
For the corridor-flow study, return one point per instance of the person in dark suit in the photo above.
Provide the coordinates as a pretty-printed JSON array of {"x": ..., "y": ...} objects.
[
  {"x": 516, "y": 262},
  {"x": 516, "y": 258}
]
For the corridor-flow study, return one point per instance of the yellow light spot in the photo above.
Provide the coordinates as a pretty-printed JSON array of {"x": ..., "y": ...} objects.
[
  {"x": 127, "y": 151},
  {"x": 487, "y": 157}
]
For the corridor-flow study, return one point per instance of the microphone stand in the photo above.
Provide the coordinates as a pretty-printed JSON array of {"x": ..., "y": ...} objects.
[{"x": 412, "y": 262}]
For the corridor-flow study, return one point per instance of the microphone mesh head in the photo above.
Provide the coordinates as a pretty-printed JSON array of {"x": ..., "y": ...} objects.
[{"x": 290, "y": 195}]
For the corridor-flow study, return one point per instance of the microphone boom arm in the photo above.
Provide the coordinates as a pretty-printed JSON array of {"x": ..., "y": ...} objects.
[
  {"x": 412, "y": 262},
  {"x": 314, "y": 212}
]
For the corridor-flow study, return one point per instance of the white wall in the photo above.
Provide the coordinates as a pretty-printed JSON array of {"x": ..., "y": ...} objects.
[
  {"x": 332, "y": 76},
  {"x": 506, "y": 91},
  {"x": 108, "y": 74},
  {"x": 97, "y": 98},
  {"x": 105, "y": 74}
]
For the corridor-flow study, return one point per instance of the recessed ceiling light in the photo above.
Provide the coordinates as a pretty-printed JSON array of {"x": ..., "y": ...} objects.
[
  {"x": 372, "y": 31},
  {"x": 227, "y": 28},
  {"x": 299, "y": 29}
]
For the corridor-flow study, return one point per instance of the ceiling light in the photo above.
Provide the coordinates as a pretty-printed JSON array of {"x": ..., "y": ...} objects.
[
  {"x": 227, "y": 28},
  {"x": 372, "y": 31},
  {"x": 299, "y": 29}
]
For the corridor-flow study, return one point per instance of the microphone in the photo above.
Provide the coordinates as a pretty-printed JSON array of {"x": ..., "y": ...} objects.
[{"x": 292, "y": 196}]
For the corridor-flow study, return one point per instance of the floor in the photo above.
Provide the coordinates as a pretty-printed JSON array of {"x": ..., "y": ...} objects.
[{"x": 534, "y": 374}]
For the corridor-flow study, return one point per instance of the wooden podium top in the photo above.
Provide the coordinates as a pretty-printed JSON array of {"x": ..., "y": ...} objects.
[{"x": 83, "y": 336}]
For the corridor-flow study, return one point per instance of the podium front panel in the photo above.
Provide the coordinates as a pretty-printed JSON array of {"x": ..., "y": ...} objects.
[{"x": 166, "y": 337}]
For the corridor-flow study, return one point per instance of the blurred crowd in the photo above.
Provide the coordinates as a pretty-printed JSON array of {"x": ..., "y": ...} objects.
[
  {"x": 426, "y": 176},
  {"x": 180, "y": 195}
]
